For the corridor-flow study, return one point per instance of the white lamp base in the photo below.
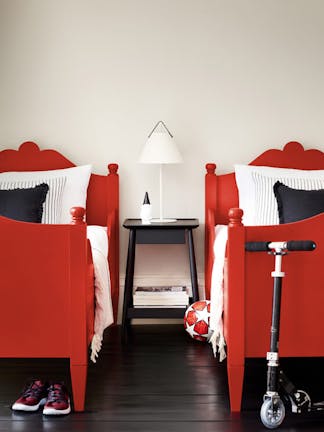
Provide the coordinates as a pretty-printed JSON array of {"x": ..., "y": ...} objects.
[{"x": 163, "y": 220}]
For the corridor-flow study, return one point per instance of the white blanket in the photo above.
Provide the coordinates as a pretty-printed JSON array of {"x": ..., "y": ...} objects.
[
  {"x": 217, "y": 292},
  {"x": 98, "y": 238}
]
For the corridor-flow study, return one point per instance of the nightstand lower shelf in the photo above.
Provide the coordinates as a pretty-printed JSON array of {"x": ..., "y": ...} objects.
[{"x": 148, "y": 312}]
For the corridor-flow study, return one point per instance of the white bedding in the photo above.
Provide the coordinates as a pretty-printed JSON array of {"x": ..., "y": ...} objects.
[
  {"x": 216, "y": 294},
  {"x": 98, "y": 238}
]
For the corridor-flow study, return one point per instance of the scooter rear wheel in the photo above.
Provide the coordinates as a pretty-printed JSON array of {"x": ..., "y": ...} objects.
[{"x": 272, "y": 413}]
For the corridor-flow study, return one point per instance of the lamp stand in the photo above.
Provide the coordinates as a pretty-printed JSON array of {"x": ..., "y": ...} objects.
[{"x": 161, "y": 218}]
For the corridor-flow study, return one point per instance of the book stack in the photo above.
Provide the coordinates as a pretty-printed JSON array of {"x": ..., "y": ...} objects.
[{"x": 161, "y": 296}]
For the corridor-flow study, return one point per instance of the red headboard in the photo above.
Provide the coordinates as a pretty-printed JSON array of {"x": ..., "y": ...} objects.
[
  {"x": 221, "y": 192},
  {"x": 103, "y": 191}
]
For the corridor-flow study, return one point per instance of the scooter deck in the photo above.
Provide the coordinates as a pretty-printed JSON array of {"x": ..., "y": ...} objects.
[{"x": 317, "y": 406}]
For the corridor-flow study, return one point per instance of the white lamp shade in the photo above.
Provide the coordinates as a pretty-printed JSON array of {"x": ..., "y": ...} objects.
[{"x": 160, "y": 148}]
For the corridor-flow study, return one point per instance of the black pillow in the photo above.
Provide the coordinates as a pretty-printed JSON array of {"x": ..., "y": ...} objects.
[
  {"x": 23, "y": 204},
  {"x": 297, "y": 204}
]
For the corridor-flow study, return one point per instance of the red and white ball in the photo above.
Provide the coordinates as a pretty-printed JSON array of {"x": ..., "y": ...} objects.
[{"x": 196, "y": 320}]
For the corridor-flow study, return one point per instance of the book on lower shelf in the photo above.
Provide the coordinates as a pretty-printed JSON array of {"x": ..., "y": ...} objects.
[
  {"x": 164, "y": 289},
  {"x": 161, "y": 296},
  {"x": 150, "y": 306}
]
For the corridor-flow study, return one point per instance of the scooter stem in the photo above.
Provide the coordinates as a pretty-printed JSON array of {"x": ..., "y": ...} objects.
[{"x": 278, "y": 262}]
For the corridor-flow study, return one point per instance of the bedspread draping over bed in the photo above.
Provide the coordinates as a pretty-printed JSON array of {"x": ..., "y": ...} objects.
[
  {"x": 217, "y": 339},
  {"x": 98, "y": 238}
]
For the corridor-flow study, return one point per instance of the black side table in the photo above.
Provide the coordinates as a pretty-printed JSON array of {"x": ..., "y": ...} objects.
[{"x": 156, "y": 233}]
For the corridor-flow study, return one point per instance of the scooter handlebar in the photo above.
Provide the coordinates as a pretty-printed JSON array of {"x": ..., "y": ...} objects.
[
  {"x": 301, "y": 245},
  {"x": 291, "y": 245},
  {"x": 257, "y": 246}
]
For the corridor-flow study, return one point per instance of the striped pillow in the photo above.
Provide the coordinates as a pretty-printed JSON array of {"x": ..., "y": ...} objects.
[
  {"x": 255, "y": 186},
  {"x": 53, "y": 203}
]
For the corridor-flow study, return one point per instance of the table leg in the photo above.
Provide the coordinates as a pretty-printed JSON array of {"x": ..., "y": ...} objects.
[
  {"x": 193, "y": 267},
  {"x": 129, "y": 281}
]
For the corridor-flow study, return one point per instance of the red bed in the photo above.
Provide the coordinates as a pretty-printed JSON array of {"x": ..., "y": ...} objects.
[
  {"x": 47, "y": 292},
  {"x": 247, "y": 280}
]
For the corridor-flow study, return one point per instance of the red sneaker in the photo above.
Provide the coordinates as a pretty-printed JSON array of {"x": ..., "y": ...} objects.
[
  {"x": 32, "y": 397},
  {"x": 58, "y": 400}
]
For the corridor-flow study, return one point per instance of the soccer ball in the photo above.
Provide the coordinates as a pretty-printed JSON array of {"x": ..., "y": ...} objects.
[{"x": 196, "y": 320}]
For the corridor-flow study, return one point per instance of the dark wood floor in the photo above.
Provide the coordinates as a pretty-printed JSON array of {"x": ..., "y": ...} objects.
[{"x": 162, "y": 381}]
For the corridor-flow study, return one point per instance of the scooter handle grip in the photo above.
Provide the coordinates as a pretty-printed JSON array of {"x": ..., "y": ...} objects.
[
  {"x": 257, "y": 246},
  {"x": 301, "y": 245}
]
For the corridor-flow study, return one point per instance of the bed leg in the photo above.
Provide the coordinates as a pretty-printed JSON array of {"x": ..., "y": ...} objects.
[
  {"x": 235, "y": 384},
  {"x": 79, "y": 381}
]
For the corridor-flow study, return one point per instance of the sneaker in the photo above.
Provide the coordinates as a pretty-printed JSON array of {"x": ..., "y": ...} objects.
[
  {"x": 32, "y": 397},
  {"x": 58, "y": 401}
]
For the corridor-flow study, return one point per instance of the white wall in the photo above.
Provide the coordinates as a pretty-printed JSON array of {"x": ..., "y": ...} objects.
[{"x": 230, "y": 78}]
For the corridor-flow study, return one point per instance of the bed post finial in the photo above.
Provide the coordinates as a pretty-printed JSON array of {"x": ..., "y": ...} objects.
[
  {"x": 210, "y": 168},
  {"x": 113, "y": 168},
  {"x": 77, "y": 214},
  {"x": 235, "y": 217}
]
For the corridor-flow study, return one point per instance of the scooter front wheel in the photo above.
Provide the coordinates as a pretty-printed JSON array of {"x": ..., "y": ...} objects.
[{"x": 272, "y": 413}]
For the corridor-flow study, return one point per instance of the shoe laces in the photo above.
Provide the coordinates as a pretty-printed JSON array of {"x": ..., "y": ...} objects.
[
  {"x": 57, "y": 393},
  {"x": 33, "y": 389}
]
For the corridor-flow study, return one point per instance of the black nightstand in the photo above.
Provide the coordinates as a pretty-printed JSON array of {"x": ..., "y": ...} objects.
[{"x": 156, "y": 233}]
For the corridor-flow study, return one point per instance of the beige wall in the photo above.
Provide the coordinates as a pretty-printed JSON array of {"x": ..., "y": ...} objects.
[{"x": 229, "y": 77}]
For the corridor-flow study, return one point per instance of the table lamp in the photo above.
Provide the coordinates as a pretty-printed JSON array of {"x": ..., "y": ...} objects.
[{"x": 161, "y": 149}]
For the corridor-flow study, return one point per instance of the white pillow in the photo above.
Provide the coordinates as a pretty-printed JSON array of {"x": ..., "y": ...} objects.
[
  {"x": 255, "y": 186},
  {"x": 52, "y": 206},
  {"x": 75, "y": 190}
]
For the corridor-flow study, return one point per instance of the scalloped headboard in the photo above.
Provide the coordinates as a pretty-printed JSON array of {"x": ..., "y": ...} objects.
[
  {"x": 103, "y": 191},
  {"x": 293, "y": 155},
  {"x": 221, "y": 192},
  {"x": 29, "y": 157}
]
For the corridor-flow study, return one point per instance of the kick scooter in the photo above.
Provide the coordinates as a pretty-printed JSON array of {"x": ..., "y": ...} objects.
[{"x": 272, "y": 411}]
